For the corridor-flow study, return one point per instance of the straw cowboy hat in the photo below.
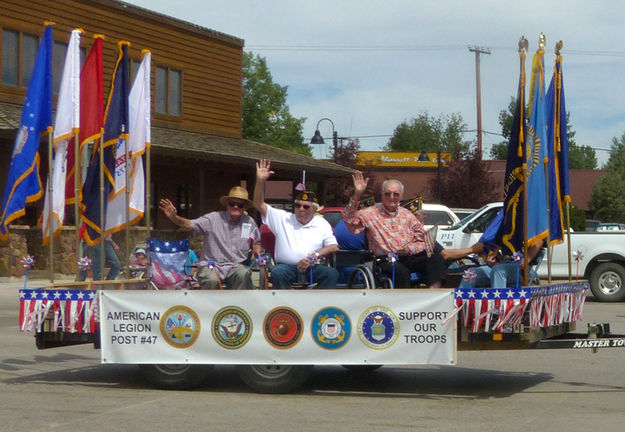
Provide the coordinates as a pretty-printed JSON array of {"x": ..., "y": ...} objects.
[{"x": 236, "y": 192}]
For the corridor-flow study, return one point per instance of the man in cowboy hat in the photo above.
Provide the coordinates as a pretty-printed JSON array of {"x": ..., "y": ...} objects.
[
  {"x": 301, "y": 238},
  {"x": 228, "y": 237}
]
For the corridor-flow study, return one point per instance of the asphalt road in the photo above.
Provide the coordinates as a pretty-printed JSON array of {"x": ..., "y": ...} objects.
[{"x": 67, "y": 389}]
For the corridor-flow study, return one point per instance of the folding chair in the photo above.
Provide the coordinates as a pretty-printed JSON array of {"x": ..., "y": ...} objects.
[{"x": 167, "y": 264}]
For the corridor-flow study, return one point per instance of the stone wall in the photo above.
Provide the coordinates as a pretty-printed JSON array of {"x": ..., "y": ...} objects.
[
  {"x": 26, "y": 240},
  {"x": 12, "y": 251}
]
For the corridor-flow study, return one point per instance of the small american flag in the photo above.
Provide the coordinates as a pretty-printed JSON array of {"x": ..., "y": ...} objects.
[{"x": 71, "y": 311}]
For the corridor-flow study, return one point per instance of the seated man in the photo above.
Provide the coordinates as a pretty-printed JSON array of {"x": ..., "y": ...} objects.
[
  {"x": 228, "y": 237},
  {"x": 301, "y": 238},
  {"x": 391, "y": 228}
]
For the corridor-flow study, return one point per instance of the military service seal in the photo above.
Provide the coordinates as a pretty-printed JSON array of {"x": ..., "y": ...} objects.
[
  {"x": 331, "y": 328},
  {"x": 283, "y": 327},
  {"x": 231, "y": 327},
  {"x": 378, "y": 327},
  {"x": 180, "y": 326}
]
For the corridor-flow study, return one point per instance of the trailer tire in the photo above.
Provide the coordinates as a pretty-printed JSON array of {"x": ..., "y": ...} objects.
[
  {"x": 175, "y": 376},
  {"x": 607, "y": 282},
  {"x": 274, "y": 379}
]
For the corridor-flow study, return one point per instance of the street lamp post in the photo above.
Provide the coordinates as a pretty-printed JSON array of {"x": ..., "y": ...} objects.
[{"x": 318, "y": 139}]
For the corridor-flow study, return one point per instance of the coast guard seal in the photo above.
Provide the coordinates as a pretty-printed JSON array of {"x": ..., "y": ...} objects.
[
  {"x": 231, "y": 327},
  {"x": 331, "y": 328},
  {"x": 282, "y": 327},
  {"x": 180, "y": 326},
  {"x": 378, "y": 327}
]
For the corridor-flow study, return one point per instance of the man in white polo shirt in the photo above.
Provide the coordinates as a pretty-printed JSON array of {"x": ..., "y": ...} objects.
[{"x": 301, "y": 238}]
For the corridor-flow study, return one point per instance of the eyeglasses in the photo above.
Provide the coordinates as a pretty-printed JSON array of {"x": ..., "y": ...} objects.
[
  {"x": 388, "y": 194},
  {"x": 236, "y": 204},
  {"x": 304, "y": 206}
]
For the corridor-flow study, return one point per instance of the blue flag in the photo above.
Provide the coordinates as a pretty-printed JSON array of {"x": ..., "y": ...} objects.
[
  {"x": 558, "y": 147},
  {"x": 115, "y": 131},
  {"x": 24, "y": 184},
  {"x": 535, "y": 155},
  {"x": 511, "y": 232}
]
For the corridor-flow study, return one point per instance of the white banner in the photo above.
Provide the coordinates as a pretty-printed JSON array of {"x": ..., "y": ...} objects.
[{"x": 278, "y": 327}]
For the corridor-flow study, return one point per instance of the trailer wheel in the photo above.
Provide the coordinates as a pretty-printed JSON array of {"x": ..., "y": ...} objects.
[
  {"x": 607, "y": 282},
  {"x": 175, "y": 376},
  {"x": 274, "y": 378}
]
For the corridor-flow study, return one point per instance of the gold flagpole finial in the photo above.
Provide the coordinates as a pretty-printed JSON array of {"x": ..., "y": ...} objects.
[
  {"x": 559, "y": 46},
  {"x": 523, "y": 44},
  {"x": 542, "y": 41}
]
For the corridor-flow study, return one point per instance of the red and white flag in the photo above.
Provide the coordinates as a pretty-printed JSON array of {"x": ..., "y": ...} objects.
[{"x": 66, "y": 127}]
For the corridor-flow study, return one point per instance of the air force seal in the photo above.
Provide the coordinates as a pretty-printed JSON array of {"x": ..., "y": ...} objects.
[
  {"x": 378, "y": 327},
  {"x": 331, "y": 328},
  {"x": 232, "y": 327},
  {"x": 282, "y": 327},
  {"x": 180, "y": 326}
]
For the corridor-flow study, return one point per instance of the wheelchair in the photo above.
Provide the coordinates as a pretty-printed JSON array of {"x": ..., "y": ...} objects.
[{"x": 358, "y": 269}]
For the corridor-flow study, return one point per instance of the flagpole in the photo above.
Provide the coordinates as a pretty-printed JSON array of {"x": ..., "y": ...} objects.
[
  {"x": 101, "y": 245},
  {"x": 522, "y": 46},
  {"x": 148, "y": 197},
  {"x": 568, "y": 238},
  {"x": 546, "y": 166},
  {"x": 77, "y": 180},
  {"x": 127, "y": 236},
  {"x": 148, "y": 145},
  {"x": 50, "y": 203}
]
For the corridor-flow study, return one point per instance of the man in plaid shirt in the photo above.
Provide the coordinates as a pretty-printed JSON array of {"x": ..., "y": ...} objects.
[{"x": 391, "y": 228}]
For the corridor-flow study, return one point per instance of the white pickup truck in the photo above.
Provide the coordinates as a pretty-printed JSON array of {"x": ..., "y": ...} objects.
[{"x": 602, "y": 254}]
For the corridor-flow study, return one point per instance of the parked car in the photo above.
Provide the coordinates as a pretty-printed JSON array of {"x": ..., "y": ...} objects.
[
  {"x": 591, "y": 224},
  {"x": 463, "y": 212},
  {"x": 610, "y": 227}
]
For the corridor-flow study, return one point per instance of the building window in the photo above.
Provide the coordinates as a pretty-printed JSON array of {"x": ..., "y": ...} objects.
[
  {"x": 168, "y": 91},
  {"x": 184, "y": 200},
  {"x": 19, "y": 51},
  {"x": 59, "y": 52}
]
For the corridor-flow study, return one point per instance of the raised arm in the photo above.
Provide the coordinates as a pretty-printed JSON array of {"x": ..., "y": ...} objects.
[
  {"x": 169, "y": 210},
  {"x": 263, "y": 172},
  {"x": 360, "y": 185}
]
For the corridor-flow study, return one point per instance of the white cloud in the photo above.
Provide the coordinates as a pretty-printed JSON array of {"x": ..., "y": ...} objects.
[{"x": 369, "y": 91}]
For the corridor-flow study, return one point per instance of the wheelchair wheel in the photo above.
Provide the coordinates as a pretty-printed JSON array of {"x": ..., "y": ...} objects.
[
  {"x": 361, "y": 278},
  {"x": 385, "y": 282}
]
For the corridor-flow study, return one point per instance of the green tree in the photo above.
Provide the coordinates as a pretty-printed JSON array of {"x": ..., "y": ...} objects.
[
  {"x": 608, "y": 201},
  {"x": 500, "y": 151},
  {"x": 266, "y": 117},
  {"x": 426, "y": 132},
  {"x": 580, "y": 157},
  {"x": 465, "y": 183}
]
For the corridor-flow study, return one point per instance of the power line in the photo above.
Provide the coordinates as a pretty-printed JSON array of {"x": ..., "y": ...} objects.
[{"x": 391, "y": 48}]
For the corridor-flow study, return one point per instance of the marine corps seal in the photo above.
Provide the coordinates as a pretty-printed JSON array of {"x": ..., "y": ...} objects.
[
  {"x": 180, "y": 326},
  {"x": 378, "y": 327},
  {"x": 283, "y": 327},
  {"x": 331, "y": 328},
  {"x": 231, "y": 327}
]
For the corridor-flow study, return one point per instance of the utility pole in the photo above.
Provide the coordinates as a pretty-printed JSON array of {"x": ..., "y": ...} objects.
[{"x": 478, "y": 50}]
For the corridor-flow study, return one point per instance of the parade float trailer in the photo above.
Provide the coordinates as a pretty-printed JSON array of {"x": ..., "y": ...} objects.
[{"x": 275, "y": 336}]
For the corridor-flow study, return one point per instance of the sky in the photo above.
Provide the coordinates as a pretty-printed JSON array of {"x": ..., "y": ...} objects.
[{"x": 369, "y": 65}]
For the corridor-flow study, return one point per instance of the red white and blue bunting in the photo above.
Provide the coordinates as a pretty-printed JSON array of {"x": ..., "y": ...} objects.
[
  {"x": 497, "y": 310},
  {"x": 58, "y": 310}
]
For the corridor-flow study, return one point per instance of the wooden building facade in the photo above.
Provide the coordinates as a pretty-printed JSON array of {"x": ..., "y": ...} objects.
[{"x": 198, "y": 152}]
